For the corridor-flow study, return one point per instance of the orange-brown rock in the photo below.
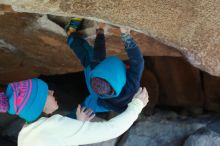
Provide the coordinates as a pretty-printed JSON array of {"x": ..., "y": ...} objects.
[
  {"x": 27, "y": 51},
  {"x": 179, "y": 82},
  {"x": 211, "y": 86},
  {"x": 149, "y": 81},
  {"x": 193, "y": 27},
  {"x": 5, "y": 9},
  {"x": 148, "y": 45},
  {"x": 35, "y": 45}
]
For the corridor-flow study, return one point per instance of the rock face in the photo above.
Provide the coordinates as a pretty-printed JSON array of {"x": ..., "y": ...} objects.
[
  {"x": 203, "y": 137},
  {"x": 150, "y": 81},
  {"x": 4, "y": 9},
  {"x": 193, "y": 27},
  {"x": 179, "y": 82},
  {"x": 211, "y": 86},
  {"x": 27, "y": 50},
  {"x": 168, "y": 129},
  {"x": 35, "y": 45}
]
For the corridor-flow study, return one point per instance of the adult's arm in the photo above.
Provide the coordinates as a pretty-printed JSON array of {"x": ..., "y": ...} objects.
[
  {"x": 93, "y": 132},
  {"x": 58, "y": 130}
]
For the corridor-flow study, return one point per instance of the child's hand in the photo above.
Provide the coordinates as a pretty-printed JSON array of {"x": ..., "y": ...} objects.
[
  {"x": 100, "y": 28},
  {"x": 101, "y": 25},
  {"x": 142, "y": 95},
  {"x": 125, "y": 30},
  {"x": 84, "y": 114}
]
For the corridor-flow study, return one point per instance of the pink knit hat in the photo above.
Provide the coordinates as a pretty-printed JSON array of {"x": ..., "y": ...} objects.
[
  {"x": 4, "y": 106},
  {"x": 27, "y": 98}
]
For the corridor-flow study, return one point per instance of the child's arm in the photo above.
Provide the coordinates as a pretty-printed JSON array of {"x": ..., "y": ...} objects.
[
  {"x": 81, "y": 48},
  {"x": 99, "y": 45},
  {"x": 136, "y": 60},
  {"x": 79, "y": 45}
]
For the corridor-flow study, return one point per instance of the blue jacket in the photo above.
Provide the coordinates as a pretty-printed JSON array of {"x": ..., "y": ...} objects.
[{"x": 124, "y": 82}]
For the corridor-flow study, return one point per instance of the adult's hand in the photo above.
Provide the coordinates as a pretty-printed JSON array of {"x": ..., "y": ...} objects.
[
  {"x": 84, "y": 114},
  {"x": 142, "y": 94}
]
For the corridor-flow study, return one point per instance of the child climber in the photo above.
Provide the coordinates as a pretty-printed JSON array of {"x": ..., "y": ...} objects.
[
  {"x": 111, "y": 86},
  {"x": 30, "y": 98}
]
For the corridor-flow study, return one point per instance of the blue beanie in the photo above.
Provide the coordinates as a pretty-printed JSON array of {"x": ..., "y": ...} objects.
[{"x": 27, "y": 98}]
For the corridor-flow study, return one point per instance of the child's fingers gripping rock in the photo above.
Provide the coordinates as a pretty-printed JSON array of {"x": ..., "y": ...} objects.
[{"x": 125, "y": 30}]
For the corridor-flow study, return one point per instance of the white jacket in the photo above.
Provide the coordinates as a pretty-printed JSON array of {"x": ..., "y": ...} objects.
[{"x": 63, "y": 131}]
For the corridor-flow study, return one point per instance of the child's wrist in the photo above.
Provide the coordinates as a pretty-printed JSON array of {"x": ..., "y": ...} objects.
[
  {"x": 70, "y": 30},
  {"x": 125, "y": 36}
]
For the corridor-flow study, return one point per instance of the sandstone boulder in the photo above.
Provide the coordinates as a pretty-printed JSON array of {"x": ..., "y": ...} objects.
[
  {"x": 203, "y": 137},
  {"x": 36, "y": 45},
  {"x": 28, "y": 50},
  {"x": 164, "y": 129},
  {"x": 211, "y": 86},
  {"x": 193, "y": 27},
  {"x": 179, "y": 82}
]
